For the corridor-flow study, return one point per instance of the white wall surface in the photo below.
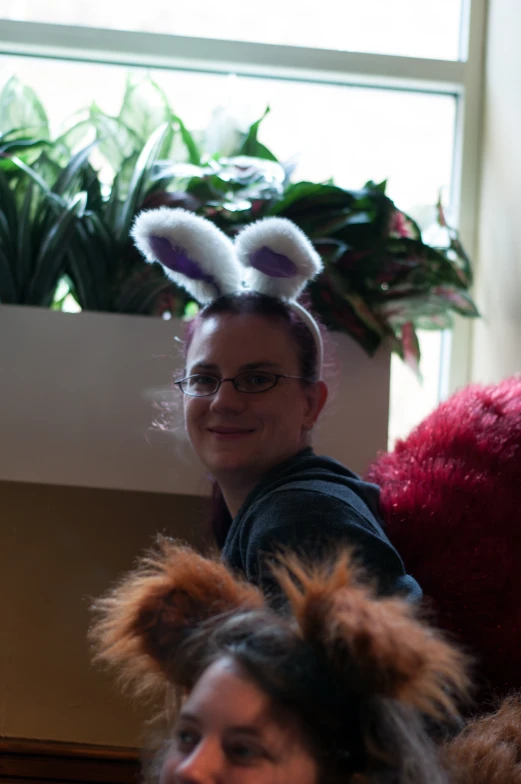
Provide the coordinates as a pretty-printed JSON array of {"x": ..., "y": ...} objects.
[
  {"x": 77, "y": 395},
  {"x": 496, "y": 346}
]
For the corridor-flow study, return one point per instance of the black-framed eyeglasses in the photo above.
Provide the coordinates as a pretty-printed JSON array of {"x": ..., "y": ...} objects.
[{"x": 251, "y": 382}]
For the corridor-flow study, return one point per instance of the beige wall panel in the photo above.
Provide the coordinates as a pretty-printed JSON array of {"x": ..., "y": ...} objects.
[{"x": 59, "y": 546}]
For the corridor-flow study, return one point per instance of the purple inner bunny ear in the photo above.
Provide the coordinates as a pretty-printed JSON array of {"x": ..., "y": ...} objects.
[
  {"x": 176, "y": 259},
  {"x": 273, "y": 264}
]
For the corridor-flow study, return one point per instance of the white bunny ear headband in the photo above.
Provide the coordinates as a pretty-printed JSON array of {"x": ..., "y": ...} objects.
[{"x": 271, "y": 256}]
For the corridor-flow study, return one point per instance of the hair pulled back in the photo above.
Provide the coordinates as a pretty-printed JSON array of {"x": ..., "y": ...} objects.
[{"x": 272, "y": 309}]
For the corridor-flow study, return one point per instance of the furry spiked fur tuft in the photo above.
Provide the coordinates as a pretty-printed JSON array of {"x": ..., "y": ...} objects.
[
  {"x": 451, "y": 497},
  {"x": 361, "y": 673},
  {"x": 152, "y": 612},
  {"x": 378, "y": 645},
  {"x": 488, "y": 751}
]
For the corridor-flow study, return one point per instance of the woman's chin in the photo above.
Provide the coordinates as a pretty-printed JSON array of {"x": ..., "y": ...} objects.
[
  {"x": 228, "y": 459},
  {"x": 224, "y": 464}
]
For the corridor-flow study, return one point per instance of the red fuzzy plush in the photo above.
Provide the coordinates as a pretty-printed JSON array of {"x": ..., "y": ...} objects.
[{"x": 451, "y": 496}]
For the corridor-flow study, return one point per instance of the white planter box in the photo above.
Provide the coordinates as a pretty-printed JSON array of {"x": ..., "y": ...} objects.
[{"x": 77, "y": 394}]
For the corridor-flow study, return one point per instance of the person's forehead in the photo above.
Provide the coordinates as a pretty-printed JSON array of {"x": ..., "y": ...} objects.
[
  {"x": 243, "y": 338},
  {"x": 244, "y": 700},
  {"x": 225, "y": 697}
]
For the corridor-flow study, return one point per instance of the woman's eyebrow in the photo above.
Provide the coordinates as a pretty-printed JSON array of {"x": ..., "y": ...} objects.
[
  {"x": 255, "y": 725},
  {"x": 247, "y": 366},
  {"x": 187, "y": 716},
  {"x": 204, "y": 365},
  {"x": 246, "y": 729},
  {"x": 263, "y": 364}
]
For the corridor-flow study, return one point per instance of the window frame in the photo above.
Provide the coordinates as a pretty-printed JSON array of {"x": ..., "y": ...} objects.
[{"x": 463, "y": 79}]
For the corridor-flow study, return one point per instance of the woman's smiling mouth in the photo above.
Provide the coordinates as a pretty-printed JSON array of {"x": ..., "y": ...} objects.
[{"x": 229, "y": 433}]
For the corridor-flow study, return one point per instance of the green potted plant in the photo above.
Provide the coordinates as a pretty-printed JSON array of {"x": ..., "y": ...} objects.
[
  {"x": 381, "y": 281},
  {"x": 66, "y": 206}
]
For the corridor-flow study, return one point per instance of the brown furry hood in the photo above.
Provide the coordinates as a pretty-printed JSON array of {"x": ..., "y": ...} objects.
[
  {"x": 488, "y": 751},
  {"x": 374, "y": 645}
]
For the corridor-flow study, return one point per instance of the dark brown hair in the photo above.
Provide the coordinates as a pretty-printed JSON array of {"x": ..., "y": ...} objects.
[
  {"x": 273, "y": 309},
  {"x": 375, "y": 738},
  {"x": 358, "y": 673}
]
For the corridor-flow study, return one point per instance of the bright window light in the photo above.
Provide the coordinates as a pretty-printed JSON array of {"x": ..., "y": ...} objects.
[
  {"x": 350, "y": 134},
  {"x": 410, "y": 28}
]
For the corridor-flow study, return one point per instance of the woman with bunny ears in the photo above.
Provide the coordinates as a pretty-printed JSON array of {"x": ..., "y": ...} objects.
[
  {"x": 253, "y": 390},
  {"x": 337, "y": 691}
]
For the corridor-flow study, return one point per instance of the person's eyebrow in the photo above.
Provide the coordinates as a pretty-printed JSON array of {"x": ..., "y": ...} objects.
[
  {"x": 246, "y": 729},
  {"x": 263, "y": 364},
  {"x": 255, "y": 726},
  {"x": 253, "y": 730},
  {"x": 248, "y": 366},
  {"x": 187, "y": 716},
  {"x": 203, "y": 366}
]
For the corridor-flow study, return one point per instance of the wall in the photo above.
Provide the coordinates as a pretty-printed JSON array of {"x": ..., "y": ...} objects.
[
  {"x": 59, "y": 546},
  {"x": 85, "y": 485},
  {"x": 496, "y": 348},
  {"x": 79, "y": 394}
]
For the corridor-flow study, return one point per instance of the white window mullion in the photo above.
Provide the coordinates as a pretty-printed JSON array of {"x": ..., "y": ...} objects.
[
  {"x": 467, "y": 178},
  {"x": 463, "y": 79},
  {"x": 170, "y": 51}
]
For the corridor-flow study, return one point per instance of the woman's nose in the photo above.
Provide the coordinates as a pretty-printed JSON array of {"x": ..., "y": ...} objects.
[
  {"x": 205, "y": 765},
  {"x": 227, "y": 398}
]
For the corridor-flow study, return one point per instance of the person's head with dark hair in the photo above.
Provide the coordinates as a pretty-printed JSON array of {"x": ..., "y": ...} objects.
[
  {"x": 273, "y": 310},
  {"x": 337, "y": 691},
  {"x": 252, "y": 381},
  {"x": 253, "y": 390},
  {"x": 263, "y": 344}
]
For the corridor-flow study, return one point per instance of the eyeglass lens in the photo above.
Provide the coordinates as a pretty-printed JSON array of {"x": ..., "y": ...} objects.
[{"x": 250, "y": 382}]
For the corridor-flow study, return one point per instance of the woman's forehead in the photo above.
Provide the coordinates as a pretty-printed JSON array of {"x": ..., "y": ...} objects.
[
  {"x": 241, "y": 338},
  {"x": 224, "y": 678}
]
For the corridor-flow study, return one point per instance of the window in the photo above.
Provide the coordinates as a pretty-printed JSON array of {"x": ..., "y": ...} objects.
[
  {"x": 390, "y": 99},
  {"x": 409, "y": 28}
]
